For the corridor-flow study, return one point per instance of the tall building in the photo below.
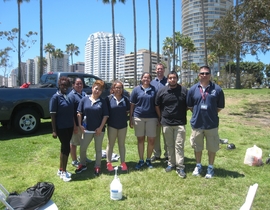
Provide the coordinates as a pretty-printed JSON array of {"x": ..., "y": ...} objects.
[
  {"x": 77, "y": 67},
  {"x": 126, "y": 65},
  {"x": 30, "y": 71},
  {"x": 192, "y": 26},
  {"x": 99, "y": 54},
  {"x": 57, "y": 64}
]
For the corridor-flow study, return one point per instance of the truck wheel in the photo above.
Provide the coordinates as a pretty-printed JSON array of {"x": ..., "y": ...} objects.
[{"x": 26, "y": 121}]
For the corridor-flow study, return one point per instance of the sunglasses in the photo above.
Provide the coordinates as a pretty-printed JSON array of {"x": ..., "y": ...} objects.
[{"x": 204, "y": 73}]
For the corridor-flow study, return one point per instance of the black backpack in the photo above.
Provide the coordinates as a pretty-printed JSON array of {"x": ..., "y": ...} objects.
[{"x": 32, "y": 198}]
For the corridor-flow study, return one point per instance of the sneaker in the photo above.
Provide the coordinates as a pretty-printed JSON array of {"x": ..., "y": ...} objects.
[
  {"x": 124, "y": 166},
  {"x": 80, "y": 169},
  {"x": 210, "y": 173},
  {"x": 59, "y": 173},
  {"x": 169, "y": 168},
  {"x": 223, "y": 141},
  {"x": 97, "y": 171},
  {"x": 75, "y": 163},
  {"x": 154, "y": 158},
  {"x": 197, "y": 171},
  {"x": 181, "y": 173},
  {"x": 65, "y": 176},
  {"x": 148, "y": 163},
  {"x": 139, "y": 165},
  {"x": 110, "y": 167}
]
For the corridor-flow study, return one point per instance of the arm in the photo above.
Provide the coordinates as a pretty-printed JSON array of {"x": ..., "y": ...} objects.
[
  {"x": 99, "y": 129},
  {"x": 79, "y": 116},
  {"x": 54, "y": 134},
  {"x": 130, "y": 114}
]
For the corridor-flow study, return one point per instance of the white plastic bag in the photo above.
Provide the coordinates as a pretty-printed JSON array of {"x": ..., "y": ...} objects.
[{"x": 253, "y": 156}]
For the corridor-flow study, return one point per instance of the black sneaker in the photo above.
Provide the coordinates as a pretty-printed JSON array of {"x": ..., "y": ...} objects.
[
  {"x": 139, "y": 165},
  {"x": 181, "y": 173},
  {"x": 154, "y": 158},
  {"x": 97, "y": 171},
  {"x": 148, "y": 163},
  {"x": 80, "y": 169}
]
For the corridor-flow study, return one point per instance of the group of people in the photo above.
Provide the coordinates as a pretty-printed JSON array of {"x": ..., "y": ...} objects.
[{"x": 155, "y": 107}]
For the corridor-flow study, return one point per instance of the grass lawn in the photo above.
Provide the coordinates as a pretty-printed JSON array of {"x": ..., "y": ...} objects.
[{"x": 26, "y": 160}]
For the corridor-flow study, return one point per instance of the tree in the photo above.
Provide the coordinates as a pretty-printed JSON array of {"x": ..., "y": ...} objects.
[
  {"x": 157, "y": 22},
  {"x": 49, "y": 48},
  {"x": 150, "y": 37},
  {"x": 168, "y": 49},
  {"x": 112, "y": 2},
  {"x": 135, "y": 43},
  {"x": 70, "y": 50},
  {"x": 5, "y": 60},
  {"x": 41, "y": 39},
  {"x": 178, "y": 45}
]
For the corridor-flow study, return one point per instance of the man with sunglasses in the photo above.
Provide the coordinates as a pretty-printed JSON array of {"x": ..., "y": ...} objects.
[{"x": 205, "y": 99}]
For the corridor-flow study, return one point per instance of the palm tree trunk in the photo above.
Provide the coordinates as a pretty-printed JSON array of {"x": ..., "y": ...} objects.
[
  {"x": 173, "y": 35},
  {"x": 41, "y": 39},
  {"x": 157, "y": 13},
  {"x": 19, "y": 45},
  {"x": 114, "y": 47},
  {"x": 135, "y": 44},
  {"x": 150, "y": 40},
  {"x": 204, "y": 33}
]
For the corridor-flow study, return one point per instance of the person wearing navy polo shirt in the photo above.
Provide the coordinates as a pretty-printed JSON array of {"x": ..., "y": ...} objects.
[
  {"x": 62, "y": 109},
  {"x": 159, "y": 82},
  {"x": 94, "y": 112},
  {"x": 205, "y": 99},
  {"x": 118, "y": 106},
  {"x": 143, "y": 117}
]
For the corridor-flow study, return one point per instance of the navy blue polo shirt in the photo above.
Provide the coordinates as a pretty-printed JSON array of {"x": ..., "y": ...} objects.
[
  {"x": 63, "y": 107},
  {"x": 158, "y": 84},
  {"x": 206, "y": 116},
  {"x": 94, "y": 112},
  {"x": 76, "y": 97},
  {"x": 144, "y": 101},
  {"x": 118, "y": 112}
]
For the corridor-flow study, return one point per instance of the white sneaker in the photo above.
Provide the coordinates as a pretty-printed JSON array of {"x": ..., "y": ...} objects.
[
  {"x": 59, "y": 173},
  {"x": 197, "y": 171},
  {"x": 65, "y": 176}
]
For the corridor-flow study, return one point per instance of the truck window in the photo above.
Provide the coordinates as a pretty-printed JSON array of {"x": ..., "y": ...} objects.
[
  {"x": 89, "y": 81},
  {"x": 48, "y": 79}
]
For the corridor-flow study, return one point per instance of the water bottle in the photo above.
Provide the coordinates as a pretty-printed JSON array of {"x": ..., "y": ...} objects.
[
  {"x": 116, "y": 187},
  {"x": 84, "y": 122}
]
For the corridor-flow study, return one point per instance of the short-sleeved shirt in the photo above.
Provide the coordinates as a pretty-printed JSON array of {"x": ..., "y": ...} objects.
[
  {"x": 158, "y": 84},
  {"x": 63, "y": 107},
  {"x": 94, "y": 112},
  {"x": 76, "y": 97},
  {"x": 144, "y": 100},
  {"x": 205, "y": 105},
  {"x": 172, "y": 104},
  {"x": 117, "y": 111}
]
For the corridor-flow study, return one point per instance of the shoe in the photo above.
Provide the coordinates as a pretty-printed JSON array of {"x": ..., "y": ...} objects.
[
  {"x": 210, "y": 173},
  {"x": 181, "y": 173},
  {"x": 75, "y": 163},
  {"x": 65, "y": 176},
  {"x": 110, "y": 167},
  {"x": 223, "y": 141},
  {"x": 154, "y": 158},
  {"x": 80, "y": 169},
  {"x": 124, "y": 166},
  {"x": 166, "y": 159},
  {"x": 148, "y": 163},
  {"x": 139, "y": 165},
  {"x": 169, "y": 168},
  {"x": 197, "y": 171},
  {"x": 97, "y": 171},
  {"x": 59, "y": 173}
]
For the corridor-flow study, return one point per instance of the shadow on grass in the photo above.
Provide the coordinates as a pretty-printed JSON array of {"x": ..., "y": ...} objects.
[{"x": 7, "y": 134}]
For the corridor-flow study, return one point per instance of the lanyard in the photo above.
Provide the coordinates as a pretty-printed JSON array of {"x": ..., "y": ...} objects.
[{"x": 204, "y": 94}]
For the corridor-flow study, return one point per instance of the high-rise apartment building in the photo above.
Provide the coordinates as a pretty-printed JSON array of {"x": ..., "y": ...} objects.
[
  {"x": 192, "y": 26},
  {"x": 126, "y": 65},
  {"x": 30, "y": 71},
  {"x": 57, "y": 64},
  {"x": 99, "y": 54}
]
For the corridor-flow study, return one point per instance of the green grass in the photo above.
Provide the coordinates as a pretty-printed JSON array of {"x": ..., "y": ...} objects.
[{"x": 25, "y": 160}]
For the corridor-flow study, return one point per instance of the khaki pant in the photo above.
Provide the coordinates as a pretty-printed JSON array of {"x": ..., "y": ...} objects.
[{"x": 157, "y": 147}]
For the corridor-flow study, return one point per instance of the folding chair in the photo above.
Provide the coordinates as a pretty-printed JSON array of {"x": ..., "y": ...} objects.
[{"x": 50, "y": 205}]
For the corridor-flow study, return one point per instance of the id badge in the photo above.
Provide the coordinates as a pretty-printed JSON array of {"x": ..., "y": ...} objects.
[{"x": 204, "y": 106}]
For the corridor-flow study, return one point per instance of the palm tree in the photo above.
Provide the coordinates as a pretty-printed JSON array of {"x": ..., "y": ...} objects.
[
  {"x": 70, "y": 50},
  {"x": 157, "y": 14},
  {"x": 41, "y": 39},
  {"x": 49, "y": 48},
  {"x": 168, "y": 49},
  {"x": 173, "y": 35},
  {"x": 112, "y": 2},
  {"x": 135, "y": 44},
  {"x": 178, "y": 45},
  {"x": 150, "y": 39},
  {"x": 204, "y": 33},
  {"x": 19, "y": 2},
  {"x": 58, "y": 53}
]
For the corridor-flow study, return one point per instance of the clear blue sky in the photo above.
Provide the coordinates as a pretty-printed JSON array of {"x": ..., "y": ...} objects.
[{"x": 72, "y": 21}]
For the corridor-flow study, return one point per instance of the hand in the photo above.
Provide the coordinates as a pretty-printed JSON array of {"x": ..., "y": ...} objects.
[
  {"x": 82, "y": 128},
  {"x": 54, "y": 135},
  {"x": 75, "y": 130},
  {"x": 131, "y": 124},
  {"x": 98, "y": 131}
]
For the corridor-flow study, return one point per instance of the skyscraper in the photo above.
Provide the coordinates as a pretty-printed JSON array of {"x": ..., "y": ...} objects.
[
  {"x": 192, "y": 26},
  {"x": 99, "y": 54}
]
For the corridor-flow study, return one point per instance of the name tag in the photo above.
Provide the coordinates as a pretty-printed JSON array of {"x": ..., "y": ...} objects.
[{"x": 204, "y": 106}]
